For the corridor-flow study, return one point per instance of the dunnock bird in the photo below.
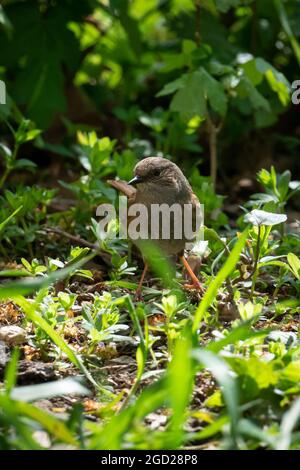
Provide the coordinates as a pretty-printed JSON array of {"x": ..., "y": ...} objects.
[{"x": 159, "y": 181}]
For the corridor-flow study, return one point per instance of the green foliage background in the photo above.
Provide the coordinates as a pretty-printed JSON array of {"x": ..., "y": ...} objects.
[
  {"x": 92, "y": 87},
  {"x": 150, "y": 72}
]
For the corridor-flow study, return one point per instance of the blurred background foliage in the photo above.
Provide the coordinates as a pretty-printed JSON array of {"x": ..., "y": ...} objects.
[
  {"x": 92, "y": 87},
  {"x": 187, "y": 78}
]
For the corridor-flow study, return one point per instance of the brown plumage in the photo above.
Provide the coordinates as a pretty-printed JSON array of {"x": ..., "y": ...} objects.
[{"x": 159, "y": 181}]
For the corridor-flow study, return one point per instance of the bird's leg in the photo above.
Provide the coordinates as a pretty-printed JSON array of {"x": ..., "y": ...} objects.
[
  {"x": 195, "y": 280},
  {"x": 139, "y": 288}
]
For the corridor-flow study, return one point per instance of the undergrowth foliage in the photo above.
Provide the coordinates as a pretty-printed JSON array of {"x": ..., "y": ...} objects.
[
  {"x": 249, "y": 364},
  {"x": 85, "y": 365}
]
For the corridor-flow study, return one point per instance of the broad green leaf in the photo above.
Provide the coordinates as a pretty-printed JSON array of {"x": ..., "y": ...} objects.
[
  {"x": 246, "y": 90},
  {"x": 214, "y": 93},
  {"x": 189, "y": 101},
  {"x": 257, "y": 69},
  {"x": 241, "y": 333},
  {"x": 262, "y": 372},
  {"x": 171, "y": 87},
  {"x": 259, "y": 217},
  {"x": 294, "y": 263}
]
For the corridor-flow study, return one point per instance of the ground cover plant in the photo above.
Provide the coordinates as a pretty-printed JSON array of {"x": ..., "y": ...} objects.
[{"x": 91, "y": 88}]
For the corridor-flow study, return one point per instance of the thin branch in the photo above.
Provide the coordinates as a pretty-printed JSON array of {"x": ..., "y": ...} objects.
[
  {"x": 81, "y": 242},
  {"x": 197, "y": 23}
]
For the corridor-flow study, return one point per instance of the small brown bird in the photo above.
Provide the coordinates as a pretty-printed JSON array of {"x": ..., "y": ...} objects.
[{"x": 159, "y": 181}]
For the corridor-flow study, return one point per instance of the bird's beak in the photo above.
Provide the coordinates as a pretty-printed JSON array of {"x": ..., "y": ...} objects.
[{"x": 136, "y": 180}]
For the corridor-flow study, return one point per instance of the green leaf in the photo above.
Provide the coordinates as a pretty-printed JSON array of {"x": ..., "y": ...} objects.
[
  {"x": 30, "y": 312},
  {"x": 5, "y": 22},
  {"x": 130, "y": 25},
  {"x": 241, "y": 333},
  {"x": 189, "y": 101},
  {"x": 259, "y": 370},
  {"x": 257, "y": 69},
  {"x": 4, "y": 150},
  {"x": 30, "y": 285},
  {"x": 259, "y": 217},
  {"x": 24, "y": 163},
  {"x": 287, "y": 28},
  {"x": 214, "y": 93},
  {"x": 294, "y": 263},
  {"x": 39, "y": 83},
  {"x": 246, "y": 89},
  {"x": 6, "y": 221}
]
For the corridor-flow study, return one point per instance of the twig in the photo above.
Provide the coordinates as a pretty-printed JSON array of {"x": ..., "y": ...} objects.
[
  {"x": 197, "y": 23},
  {"x": 257, "y": 253},
  {"x": 213, "y": 131},
  {"x": 81, "y": 242}
]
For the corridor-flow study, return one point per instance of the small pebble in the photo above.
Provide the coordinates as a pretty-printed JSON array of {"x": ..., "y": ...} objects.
[{"x": 13, "y": 335}]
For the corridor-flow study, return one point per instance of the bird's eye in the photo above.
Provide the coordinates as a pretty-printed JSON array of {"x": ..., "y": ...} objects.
[{"x": 156, "y": 172}]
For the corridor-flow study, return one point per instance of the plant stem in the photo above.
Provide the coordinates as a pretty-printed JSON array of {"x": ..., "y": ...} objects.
[
  {"x": 197, "y": 23},
  {"x": 213, "y": 131},
  {"x": 4, "y": 177},
  {"x": 254, "y": 28},
  {"x": 9, "y": 166},
  {"x": 3, "y": 251},
  {"x": 255, "y": 270},
  {"x": 29, "y": 245}
]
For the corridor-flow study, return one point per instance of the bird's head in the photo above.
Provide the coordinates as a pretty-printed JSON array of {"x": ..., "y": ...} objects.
[{"x": 158, "y": 172}]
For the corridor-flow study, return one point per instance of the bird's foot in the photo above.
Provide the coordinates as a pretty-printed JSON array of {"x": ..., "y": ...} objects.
[
  {"x": 195, "y": 281},
  {"x": 195, "y": 286}
]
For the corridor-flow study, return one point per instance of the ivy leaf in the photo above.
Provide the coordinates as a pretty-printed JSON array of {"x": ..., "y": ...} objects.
[
  {"x": 214, "y": 92},
  {"x": 199, "y": 88},
  {"x": 173, "y": 86},
  {"x": 189, "y": 101},
  {"x": 246, "y": 89},
  {"x": 258, "y": 68}
]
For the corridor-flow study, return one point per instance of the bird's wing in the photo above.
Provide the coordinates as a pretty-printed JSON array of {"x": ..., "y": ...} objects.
[{"x": 123, "y": 187}]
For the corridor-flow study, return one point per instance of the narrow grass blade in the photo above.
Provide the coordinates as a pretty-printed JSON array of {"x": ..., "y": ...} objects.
[{"x": 224, "y": 272}]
